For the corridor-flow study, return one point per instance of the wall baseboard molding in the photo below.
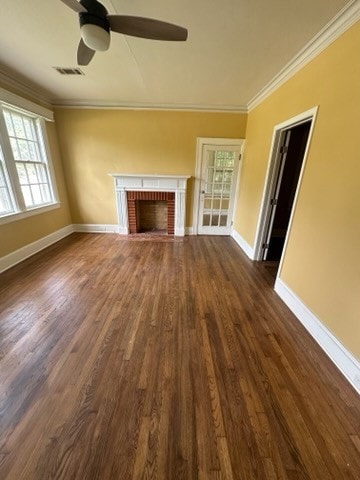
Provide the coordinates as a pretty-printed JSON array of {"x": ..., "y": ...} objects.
[
  {"x": 348, "y": 365},
  {"x": 23, "y": 253},
  {"x": 243, "y": 244},
  {"x": 96, "y": 228},
  {"x": 103, "y": 228}
]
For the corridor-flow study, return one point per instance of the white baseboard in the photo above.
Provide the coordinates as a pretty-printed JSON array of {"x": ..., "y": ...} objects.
[
  {"x": 95, "y": 228},
  {"x": 348, "y": 365},
  {"x": 243, "y": 244},
  {"x": 23, "y": 253},
  {"x": 100, "y": 228}
]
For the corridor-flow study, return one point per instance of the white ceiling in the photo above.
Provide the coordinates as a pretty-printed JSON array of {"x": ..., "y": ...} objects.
[{"x": 235, "y": 48}]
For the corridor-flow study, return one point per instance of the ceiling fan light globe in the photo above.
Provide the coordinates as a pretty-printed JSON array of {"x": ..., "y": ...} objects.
[{"x": 95, "y": 37}]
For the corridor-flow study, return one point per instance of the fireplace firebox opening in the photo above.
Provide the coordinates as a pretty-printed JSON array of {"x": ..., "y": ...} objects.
[
  {"x": 151, "y": 216},
  {"x": 151, "y": 212}
]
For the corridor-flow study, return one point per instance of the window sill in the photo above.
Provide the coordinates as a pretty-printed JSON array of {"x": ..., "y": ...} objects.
[{"x": 14, "y": 217}]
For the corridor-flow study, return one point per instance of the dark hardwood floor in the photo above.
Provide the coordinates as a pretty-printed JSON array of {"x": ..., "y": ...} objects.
[{"x": 163, "y": 360}]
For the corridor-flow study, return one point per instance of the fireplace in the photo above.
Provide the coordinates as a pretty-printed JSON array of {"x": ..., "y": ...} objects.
[
  {"x": 153, "y": 193},
  {"x": 149, "y": 211}
]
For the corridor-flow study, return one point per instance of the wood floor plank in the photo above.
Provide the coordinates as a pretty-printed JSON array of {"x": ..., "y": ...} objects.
[{"x": 163, "y": 360}]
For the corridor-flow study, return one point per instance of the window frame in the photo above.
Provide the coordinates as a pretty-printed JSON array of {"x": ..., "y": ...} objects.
[{"x": 20, "y": 210}]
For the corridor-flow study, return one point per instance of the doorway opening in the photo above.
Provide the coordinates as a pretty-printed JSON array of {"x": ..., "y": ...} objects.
[{"x": 288, "y": 154}]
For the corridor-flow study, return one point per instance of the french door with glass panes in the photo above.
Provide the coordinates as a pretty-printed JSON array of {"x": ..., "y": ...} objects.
[{"x": 219, "y": 169}]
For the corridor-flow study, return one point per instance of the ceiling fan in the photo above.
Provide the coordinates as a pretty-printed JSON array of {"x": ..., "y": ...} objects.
[{"x": 96, "y": 23}]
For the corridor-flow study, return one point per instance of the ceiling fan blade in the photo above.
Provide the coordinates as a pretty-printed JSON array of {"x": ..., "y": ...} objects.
[
  {"x": 84, "y": 54},
  {"x": 146, "y": 28},
  {"x": 75, "y": 5}
]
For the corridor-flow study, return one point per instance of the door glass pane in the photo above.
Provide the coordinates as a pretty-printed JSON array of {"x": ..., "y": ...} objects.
[
  {"x": 209, "y": 188},
  {"x": 218, "y": 177},
  {"x": 226, "y": 190},
  {"x": 210, "y": 176},
  {"x": 227, "y": 176},
  {"x": 230, "y": 161},
  {"x": 211, "y": 159},
  {"x": 215, "y": 220},
  {"x": 217, "y": 188},
  {"x": 219, "y": 161},
  {"x": 225, "y": 204},
  {"x": 207, "y": 203},
  {"x": 216, "y": 203},
  {"x": 206, "y": 220},
  {"x": 223, "y": 220}
]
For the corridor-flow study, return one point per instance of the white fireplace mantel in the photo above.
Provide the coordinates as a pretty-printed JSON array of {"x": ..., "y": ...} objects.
[{"x": 150, "y": 183}]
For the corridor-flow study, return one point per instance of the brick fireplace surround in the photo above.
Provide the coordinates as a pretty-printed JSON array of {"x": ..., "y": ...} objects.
[
  {"x": 132, "y": 197},
  {"x": 132, "y": 187}
]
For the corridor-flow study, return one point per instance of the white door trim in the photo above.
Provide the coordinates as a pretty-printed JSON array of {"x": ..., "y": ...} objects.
[
  {"x": 200, "y": 142},
  {"x": 270, "y": 178}
]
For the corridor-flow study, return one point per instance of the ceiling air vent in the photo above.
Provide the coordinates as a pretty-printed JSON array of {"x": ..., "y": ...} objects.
[{"x": 69, "y": 71}]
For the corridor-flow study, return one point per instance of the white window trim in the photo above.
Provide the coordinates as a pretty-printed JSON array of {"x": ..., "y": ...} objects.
[{"x": 12, "y": 101}]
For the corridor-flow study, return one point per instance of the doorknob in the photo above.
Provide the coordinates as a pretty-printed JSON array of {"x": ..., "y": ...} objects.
[{"x": 203, "y": 191}]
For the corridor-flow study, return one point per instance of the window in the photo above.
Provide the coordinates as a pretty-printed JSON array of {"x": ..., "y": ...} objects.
[
  {"x": 6, "y": 202},
  {"x": 26, "y": 182}
]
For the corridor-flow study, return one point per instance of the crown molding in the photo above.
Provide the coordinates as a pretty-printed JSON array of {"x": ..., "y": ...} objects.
[
  {"x": 109, "y": 105},
  {"x": 8, "y": 80},
  {"x": 347, "y": 17}
]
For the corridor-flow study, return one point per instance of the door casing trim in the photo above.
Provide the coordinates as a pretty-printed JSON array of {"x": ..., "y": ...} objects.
[
  {"x": 308, "y": 115},
  {"x": 200, "y": 143}
]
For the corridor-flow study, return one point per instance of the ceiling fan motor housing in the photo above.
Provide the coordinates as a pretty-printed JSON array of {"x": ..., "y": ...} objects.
[{"x": 96, "y": 14}]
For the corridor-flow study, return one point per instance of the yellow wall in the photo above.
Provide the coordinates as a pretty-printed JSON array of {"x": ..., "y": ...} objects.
[
  {"x": 15, "y": 235},
  {"x": 95, "y": 143},
  {"x": 322, "y": 263}
]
